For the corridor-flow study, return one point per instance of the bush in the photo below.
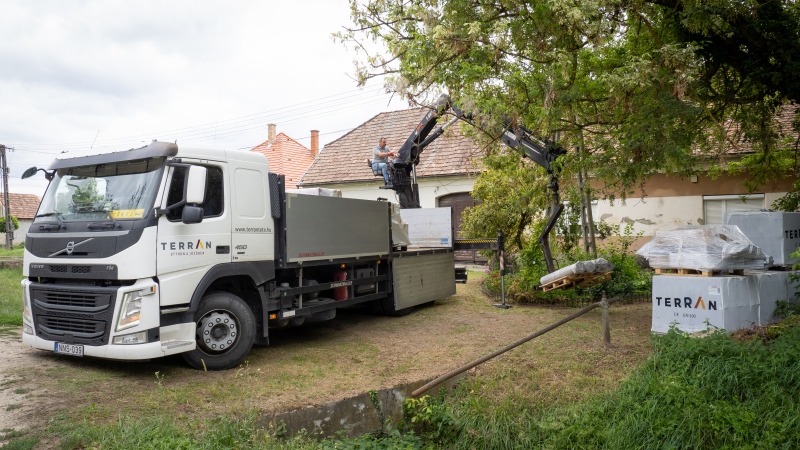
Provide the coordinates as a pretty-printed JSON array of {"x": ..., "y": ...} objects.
[
  {"x": 14, "y": 222},
  {"x": 627, "y": 279}
]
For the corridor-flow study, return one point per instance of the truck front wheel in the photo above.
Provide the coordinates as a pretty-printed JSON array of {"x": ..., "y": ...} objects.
[{"x": 226, "y": 330}]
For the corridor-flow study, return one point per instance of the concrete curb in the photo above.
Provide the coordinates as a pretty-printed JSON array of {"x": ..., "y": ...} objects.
[{"x": 355, "y": 415}]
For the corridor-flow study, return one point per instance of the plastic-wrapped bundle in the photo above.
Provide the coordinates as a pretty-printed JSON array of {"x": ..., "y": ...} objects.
[
  {"x": 705, "y": 248},
  {"x": 599, "y": 265}
]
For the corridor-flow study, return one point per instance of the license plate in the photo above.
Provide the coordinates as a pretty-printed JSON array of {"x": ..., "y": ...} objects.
[{"x": 68, "y": 349}]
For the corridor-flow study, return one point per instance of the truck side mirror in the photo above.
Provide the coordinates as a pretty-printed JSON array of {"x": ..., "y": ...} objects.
[
  {"x": 192, "y": 214},
  {"x": 194, "y": 192},
  {"x": 196, "y": 184},
  {"x": 30, "y": 172}
]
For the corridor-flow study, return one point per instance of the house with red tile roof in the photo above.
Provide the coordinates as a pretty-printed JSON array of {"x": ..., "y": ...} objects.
[
  {"x": 23, "y": 207},
  {"x": 449, "y": 165},
  {"x": 287, "y": 156}
]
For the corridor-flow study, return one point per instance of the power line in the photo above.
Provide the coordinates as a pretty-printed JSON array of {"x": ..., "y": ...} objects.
[{"x": 327, "y": 105}]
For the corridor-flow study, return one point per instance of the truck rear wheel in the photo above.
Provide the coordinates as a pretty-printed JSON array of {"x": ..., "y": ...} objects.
[
  {"x": 385, "y": 306},
  {"x": 225, "y": 332}
]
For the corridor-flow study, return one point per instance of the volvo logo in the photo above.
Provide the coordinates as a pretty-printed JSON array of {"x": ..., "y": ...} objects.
[{"x": 70, "y": 247}]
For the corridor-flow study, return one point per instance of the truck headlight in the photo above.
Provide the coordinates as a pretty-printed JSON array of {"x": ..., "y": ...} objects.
[
  {"x": 27, "y": 314},
  {"x": 131, "y": 310}
]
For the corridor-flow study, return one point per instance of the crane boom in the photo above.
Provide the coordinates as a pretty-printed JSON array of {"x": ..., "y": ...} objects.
[{"x": 402, "y": 171}]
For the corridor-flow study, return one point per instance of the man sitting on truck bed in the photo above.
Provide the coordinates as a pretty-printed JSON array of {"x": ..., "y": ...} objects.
[{"x": 379, "y": 158}]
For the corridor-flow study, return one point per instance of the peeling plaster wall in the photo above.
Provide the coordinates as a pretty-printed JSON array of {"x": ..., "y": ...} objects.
[
  {"x": 429, "y": 189},
  {"x": 649, "y": 215},
  {"x": 672, "y": 201}
]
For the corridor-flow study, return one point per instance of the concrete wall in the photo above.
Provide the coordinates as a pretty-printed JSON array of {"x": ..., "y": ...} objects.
[
  {"x": 430, "y": 189},
  {"x": 19, "y": 233}
]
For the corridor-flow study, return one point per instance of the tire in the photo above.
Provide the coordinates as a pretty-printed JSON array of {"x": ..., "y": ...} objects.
[
  {"x": 385, "y": 306},
  {"x": 226, "y": 329}
]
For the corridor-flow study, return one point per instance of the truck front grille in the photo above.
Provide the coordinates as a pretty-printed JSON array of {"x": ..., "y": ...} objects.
[
  {"x": 69, "y": 269},
  {"x": 79, "y": 328},
  {"x": 75, "y": 315}
]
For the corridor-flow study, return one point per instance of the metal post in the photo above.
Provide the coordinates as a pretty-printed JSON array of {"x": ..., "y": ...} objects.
[
  {"x": 7, "y": 208},
  {"x": 502, "y": 254},
  {"x": 606, "y": 328}
]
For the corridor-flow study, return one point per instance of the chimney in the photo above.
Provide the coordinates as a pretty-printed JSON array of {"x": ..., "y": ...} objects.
[
  {"x": 314, "y": 143},
  {"x": 271, "y": 133}
]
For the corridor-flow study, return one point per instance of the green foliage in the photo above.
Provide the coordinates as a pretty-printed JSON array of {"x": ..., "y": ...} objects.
[
  {"x": 714, "y": 392},
  {"x": 785, "y": 309},
  {"x": 627, "y": 279},
  {"x": 642, "y": 86},
  {"x": 14, "y": 221},
  {"x": 427, "y": 417},
  {"x": 512, "y": 194},
  {"x": 10, "y": 297},
  {"x": 789, "y": 202}
]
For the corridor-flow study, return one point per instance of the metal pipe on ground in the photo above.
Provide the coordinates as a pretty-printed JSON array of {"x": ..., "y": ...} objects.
[{"x": 483, "y": 359}]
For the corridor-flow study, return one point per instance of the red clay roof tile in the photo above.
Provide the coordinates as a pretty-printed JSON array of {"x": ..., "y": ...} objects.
[
  {"x": 22, "y": 206},
  {"x": 345, "y": 159},
  {"x": 287, "y": 157}
]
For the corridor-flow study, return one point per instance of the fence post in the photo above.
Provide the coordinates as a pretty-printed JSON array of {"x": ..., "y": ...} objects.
[{"x": 606, "y": 328}]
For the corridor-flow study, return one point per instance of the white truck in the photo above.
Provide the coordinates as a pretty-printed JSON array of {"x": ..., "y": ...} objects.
[{"x": 162, "y": 250}]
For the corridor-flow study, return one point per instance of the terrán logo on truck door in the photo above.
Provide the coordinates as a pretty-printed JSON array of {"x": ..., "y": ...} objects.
[
  {"x": 181, "y": 248},
  {"x": 686, "y": 303}
]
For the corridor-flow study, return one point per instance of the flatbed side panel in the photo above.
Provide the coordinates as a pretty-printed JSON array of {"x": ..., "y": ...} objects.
[
  {"x": 424, "y": 278},
  {"x": 325, "y": 228}
]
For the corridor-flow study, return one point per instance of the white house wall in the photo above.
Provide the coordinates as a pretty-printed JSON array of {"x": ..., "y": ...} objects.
[
  {"x": 430, "y": 189},
  {"x": 22, "y": 231},
  {"x": 672, "y": 201}
]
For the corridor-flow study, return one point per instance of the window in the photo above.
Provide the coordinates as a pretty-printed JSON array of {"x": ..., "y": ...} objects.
[
  {"x": 715, "y": 206},
  {"x": 213, "y": 205}
]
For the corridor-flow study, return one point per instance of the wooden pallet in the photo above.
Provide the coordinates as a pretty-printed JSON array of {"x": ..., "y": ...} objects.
[
  {"x": 699, "y": 273},
  {"x": 582, "y": 280}
]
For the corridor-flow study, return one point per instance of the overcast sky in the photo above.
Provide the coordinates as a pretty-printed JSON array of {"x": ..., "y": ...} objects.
[{"x": 112, "y": 75}]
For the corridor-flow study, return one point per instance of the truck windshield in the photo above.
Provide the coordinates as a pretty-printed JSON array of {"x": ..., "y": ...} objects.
[{"x": 115, "y": 191}]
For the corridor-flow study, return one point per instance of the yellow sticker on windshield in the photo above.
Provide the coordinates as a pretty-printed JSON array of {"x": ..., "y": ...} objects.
[{"x": 127, "y": 213}]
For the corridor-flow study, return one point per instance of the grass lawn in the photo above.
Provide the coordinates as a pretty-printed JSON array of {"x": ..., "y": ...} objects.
[
  {"x": 10, "y": 297},
  {"x": 16, "y": 251}
]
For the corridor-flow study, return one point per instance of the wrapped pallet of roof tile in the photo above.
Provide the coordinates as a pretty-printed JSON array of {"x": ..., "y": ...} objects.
[
  {"x": 777, "y": 233},
  {"x": 704, "y": 248},
  {"x": 599, "y": 265}
]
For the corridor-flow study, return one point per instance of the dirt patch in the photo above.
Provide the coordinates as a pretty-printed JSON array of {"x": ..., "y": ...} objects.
[
  {"x": 21, "y": 397},
  {"x": 318, "y": 363}
]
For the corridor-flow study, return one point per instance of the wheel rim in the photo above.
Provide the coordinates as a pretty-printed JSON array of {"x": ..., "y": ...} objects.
[{"x": 217, "y": 332}]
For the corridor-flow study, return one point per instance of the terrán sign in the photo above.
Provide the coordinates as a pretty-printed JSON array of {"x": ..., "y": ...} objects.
[{"x": 692, "y": 303}]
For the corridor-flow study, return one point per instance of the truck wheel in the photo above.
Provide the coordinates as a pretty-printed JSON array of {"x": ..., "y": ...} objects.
[
  {"x": 226, "y": 330},
  {"x": 386, "y": 307}
]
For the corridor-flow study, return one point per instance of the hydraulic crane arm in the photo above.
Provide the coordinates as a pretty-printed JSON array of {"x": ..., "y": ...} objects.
[
  {"x": 543, "y": 153},
  {"x": 402, "y": 171}
]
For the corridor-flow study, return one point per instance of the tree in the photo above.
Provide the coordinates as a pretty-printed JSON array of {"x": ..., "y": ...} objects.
[
  {"x": 14, "y": 223},
  {"x": 642, "y": 86}
]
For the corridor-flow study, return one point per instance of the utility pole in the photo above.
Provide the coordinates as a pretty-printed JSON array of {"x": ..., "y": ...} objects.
[{"x": 6, "y": 207}]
